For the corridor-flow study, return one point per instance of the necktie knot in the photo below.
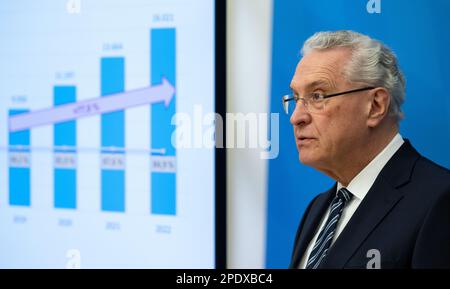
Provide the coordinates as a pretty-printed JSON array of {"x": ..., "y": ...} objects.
[{"x": 344, "y": 195}]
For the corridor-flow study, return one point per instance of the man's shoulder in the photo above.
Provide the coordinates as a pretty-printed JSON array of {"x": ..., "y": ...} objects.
[
  {"x": 430, "y": 172},
  {"x": 410, "y": 166},
  {"x": 429, "y": 183}
]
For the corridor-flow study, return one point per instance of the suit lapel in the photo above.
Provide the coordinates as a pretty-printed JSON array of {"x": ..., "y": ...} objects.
[
  {"x": 311, "y": 224},
  {"x": 376, "y": 205},
  {"x": 379, "y": 201}
]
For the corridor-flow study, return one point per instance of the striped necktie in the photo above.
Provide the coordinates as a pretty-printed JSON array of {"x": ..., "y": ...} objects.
[{"x": 325, "y": 237}]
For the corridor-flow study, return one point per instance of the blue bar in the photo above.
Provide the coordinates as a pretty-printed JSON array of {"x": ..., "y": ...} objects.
[
  {"x": 19, "y": 137},
  {"x": 163, "y": 64},
  {"x": 19, "y": 186},
  {"x": 163, "y": 194},
  {"x": 65, "y": 188},
  {"x": 113, "y": 134},
  {"x": 19, "y": 177},
  {"x": 65, "y": 184},
  {"x": 113, "y": 188},
  {"x": 113, "y": 81}
]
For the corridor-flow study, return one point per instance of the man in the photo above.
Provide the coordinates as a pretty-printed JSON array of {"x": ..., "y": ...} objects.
[{"x": 390, "y": 206}]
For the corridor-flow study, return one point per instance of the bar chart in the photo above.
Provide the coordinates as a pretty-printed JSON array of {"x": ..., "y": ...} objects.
[
  {"x": 113, "y": 164},
  {"x": 89, "y": 161}
]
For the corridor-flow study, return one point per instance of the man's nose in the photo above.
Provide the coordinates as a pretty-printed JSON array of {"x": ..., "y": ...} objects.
[{"x": 300, "y": 115}]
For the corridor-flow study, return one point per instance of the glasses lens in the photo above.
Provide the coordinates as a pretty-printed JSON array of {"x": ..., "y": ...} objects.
[
  {"x": 286, "y": 103},
  {"x": 313, "y": 105}
]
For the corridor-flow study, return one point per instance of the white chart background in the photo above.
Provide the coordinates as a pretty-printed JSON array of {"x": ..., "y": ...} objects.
[{"x": 41, "y": 39}]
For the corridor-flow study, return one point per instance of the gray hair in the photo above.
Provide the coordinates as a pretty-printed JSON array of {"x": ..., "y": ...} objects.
[{"x": 371, "y": 63}]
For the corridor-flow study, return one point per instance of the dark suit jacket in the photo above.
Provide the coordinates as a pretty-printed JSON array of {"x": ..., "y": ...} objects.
[{"x": 405, "y": 215}]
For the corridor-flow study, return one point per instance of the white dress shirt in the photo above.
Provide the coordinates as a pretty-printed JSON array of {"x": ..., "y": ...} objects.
[{"x": 358, "y": 186}]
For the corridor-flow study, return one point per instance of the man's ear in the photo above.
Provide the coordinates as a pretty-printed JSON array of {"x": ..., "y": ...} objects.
[{"x": 379, "y": 106}]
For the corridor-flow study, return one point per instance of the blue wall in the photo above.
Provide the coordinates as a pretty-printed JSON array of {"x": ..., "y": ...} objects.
[{"x": 419, "y": 33}]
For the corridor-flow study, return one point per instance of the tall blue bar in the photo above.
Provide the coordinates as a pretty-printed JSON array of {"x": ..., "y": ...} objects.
[
  {"x": 112, "y": 135},
  {"x": 19, "y": 175},
  {"x": 65, "y": 176},
  {"x": 163, "y": 64}
]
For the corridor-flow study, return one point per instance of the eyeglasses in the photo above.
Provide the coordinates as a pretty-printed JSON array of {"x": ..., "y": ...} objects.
[{"x": 313, "y": 102}]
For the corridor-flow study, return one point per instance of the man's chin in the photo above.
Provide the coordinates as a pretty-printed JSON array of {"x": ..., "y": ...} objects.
[{"x": 307, "y": 160}]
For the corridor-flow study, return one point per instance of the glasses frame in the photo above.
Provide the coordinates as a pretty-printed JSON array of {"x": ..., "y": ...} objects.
[{"x": 290, "y": 97}]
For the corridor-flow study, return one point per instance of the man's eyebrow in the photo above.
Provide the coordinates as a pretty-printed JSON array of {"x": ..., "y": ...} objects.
[
  {"x": 314, "y": 84},
  {"x": 317, "y": 83}
]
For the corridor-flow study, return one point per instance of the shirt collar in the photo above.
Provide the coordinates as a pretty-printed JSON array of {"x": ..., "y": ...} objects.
[{"x": 363, "y": 181}]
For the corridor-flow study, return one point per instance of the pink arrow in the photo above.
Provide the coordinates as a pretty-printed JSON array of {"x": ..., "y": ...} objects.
[{"x": 163, "y": 92}]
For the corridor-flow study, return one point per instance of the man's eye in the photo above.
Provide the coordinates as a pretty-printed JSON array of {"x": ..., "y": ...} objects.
[{"x": 316, "y": 96}]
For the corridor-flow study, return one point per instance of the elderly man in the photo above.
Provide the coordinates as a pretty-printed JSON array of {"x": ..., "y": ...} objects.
[{"x": 390, "y": 206}]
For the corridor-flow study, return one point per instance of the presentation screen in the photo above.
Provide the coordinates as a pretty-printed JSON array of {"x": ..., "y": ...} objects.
[{"x": 105, "y": 132}]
